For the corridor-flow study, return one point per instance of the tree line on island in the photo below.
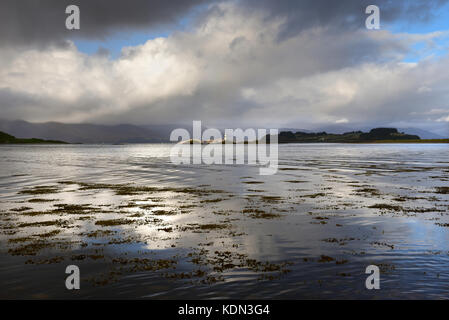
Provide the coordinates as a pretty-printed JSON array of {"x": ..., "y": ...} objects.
[
  {"x": 9, "y": 139},
  {"x": 375, "y": 135}
]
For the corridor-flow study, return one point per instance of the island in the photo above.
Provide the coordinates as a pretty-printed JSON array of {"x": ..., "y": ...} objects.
[
  {"x": 377, "y": 135},
  {"x": 9, "y": 139}
]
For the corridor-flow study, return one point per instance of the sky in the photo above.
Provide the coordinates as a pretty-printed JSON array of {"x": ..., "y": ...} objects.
[{"x": 248, "y": 63}]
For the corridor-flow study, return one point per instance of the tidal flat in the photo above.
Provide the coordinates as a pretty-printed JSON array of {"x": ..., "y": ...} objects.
[{"x": 139, "y": 226}]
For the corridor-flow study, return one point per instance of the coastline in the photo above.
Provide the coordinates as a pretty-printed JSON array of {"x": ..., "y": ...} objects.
[
  {"x": 427, "y": 141},
  {"x": 432, "y": 141}
]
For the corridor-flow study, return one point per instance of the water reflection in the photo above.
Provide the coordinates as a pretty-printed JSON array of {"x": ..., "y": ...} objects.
[{"x": 139, "y": 226}]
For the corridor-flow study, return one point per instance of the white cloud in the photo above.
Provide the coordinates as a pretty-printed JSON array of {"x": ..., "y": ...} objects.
[{"x": 231, "y": 69}]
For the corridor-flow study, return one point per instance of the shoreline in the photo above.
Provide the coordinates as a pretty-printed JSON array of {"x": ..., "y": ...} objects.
[
  {"x": 422, "y": 141},
  {"x": 429, "y": 141}
]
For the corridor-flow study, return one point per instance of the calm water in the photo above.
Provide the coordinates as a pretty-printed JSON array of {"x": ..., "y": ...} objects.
[{"x": 140, "y": 227}]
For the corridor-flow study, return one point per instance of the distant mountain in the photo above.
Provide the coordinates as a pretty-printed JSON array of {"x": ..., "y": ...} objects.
[
  {"x": 9, "y": 139},
  {"x": 295, "y": 130},
  {"x": 337, "y": 129},
  {"x": 422, "y": 133},
  {"x": 125, "y": 133},
  {"x": 87, "y": 133}
]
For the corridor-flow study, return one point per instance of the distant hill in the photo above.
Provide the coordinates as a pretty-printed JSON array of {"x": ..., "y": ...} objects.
[
  {"x": 377, "y": 134},
  {"x": 424, "y": 134},
  {"x": 9, "y": 139},
  {"x": 387, "y": 134},
  {"x": 340, "y": 129},
  {"x": 87, "y": 133},
  {"x": 125, "y": 133}
]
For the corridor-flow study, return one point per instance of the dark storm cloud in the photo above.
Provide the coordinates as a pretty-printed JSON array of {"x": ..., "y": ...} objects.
[
  {"x": 39, "y": 22},
  {"x": 341, "y": 14}
]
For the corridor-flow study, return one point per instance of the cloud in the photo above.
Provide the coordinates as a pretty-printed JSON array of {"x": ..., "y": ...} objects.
[
  {"x": 64, "y": 84},
  {"x": 42, "y": 22},
  {"x": 231, "y": 69},
  {"x": 342, "y": 14}
]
